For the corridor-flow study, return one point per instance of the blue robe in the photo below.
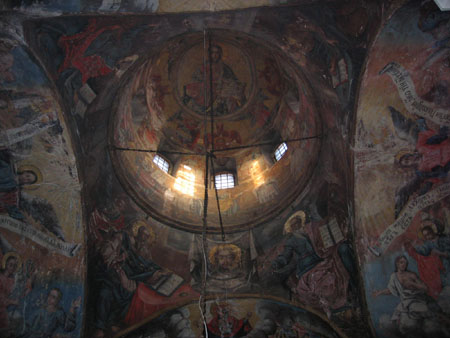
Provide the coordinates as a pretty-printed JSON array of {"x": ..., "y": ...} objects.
[
  {"x": 45, "y": 324},
  {"x": 8, "y": 184},
  {"x": 300, "y": 246}
]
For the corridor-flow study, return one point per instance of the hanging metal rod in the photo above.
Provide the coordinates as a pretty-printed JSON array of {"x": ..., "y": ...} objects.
[
  {"x": 267, "y": 143},
  {"x": 217, "y": 150},
  {"x": 211, "y": 154},
  {"x": 157, "y": 151}
]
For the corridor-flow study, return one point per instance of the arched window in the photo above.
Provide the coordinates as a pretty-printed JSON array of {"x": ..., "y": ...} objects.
[
  {"x": 224, "y": 181},
  {"x": 280, "y": 151},
  {"x": 162, "y": 163}
]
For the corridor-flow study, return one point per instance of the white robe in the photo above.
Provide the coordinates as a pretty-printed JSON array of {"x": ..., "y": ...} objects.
[{"x": 415, "y": 309}]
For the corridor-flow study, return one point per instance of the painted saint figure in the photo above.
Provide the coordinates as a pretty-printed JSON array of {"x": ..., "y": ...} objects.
[
  {"x": 433, "y": 258},
  {"x": 322, "y": 281},
  {"x": 16, "y": 283},
  {"x": 10, "y": 183},
  {"x": 228, "y": 93},
  {"x": 417, "y": 314},
  {"x": 7, "y": 283},
  {"x": 430, "y": 160},
  {"x": 144, "y": 236},
  {"x": 226, "y": 272},
  {"x": 225, "y": 325},
  {"x": 16, "y": 203},
  {"x": 52, "y": 318},
  {"x": 126, "y": 286},
  {"x": 231, "y": 266}
]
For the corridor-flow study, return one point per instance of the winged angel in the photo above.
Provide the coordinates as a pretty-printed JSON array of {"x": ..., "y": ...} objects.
[{"x": 430, "y": 160}]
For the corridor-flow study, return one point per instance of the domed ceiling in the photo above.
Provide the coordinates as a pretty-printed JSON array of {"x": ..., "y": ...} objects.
[
  {"x": 253, "y": 100},
  {"x": 210, "y": 93}
]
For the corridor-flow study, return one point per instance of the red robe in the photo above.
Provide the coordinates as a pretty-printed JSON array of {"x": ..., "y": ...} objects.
[
  {"x": 147, "y": 301},
  {"x": 433, "y": 155},
  {"x": 6, "y": 286},
  {"x": 237, "y": 327},
  {"x": 430, "y": 268}
]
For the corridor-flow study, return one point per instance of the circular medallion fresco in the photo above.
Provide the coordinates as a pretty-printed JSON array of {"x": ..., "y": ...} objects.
[
  {"x": 258, "y": 98},
  {"x": 218, "y": 79}
]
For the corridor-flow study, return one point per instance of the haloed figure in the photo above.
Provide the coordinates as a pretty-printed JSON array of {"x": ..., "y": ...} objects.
[
  {"x": 228, "y": 93},
  {"x": 11, "y": 183},
  {"x": 225, "y": 259},
  {"x": 17, "y": 203},
  {"x": 226, "y": 270},
  {"x": 322, "y": 281},
  {"x": 144, "y": 237},
  {"x": 225, "y": 324},
  {"x": 437, "y": 244}
]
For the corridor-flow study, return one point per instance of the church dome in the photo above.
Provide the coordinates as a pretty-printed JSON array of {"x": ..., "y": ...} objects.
[{"x": 253, "y": 100}]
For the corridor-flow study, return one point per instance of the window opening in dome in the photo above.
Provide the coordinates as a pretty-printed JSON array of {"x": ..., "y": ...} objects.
[
  {"x": 280, "y": 151},
  {"x": 161, "y": 163},
  {"x": 185, "y": 181},
  {"x": 224, "y": 181}
]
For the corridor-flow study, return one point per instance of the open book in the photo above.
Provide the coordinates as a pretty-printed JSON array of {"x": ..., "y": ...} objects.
[
  {"x": 167, "y": 285},
  {"x": 331, "y": 234}
]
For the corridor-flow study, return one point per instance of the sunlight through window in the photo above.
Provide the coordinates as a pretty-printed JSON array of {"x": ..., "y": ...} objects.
[
  {"x": 161, "y": 163},
  {"x": 224, "y": 181},
  {"x": 185, "y": 181},
  {"x": 280, "y": 151}
]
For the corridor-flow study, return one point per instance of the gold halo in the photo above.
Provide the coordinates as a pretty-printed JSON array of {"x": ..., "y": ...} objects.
[
  {"x": 36, "y": 171},
  {"x": 138, "y": 224},
  {"x": 401, "y": 153},
  {"x": 287, "y": 228},
  {"x": 11, "y": 254},
  {"x": 427, "y": 222},
  {"x": 232, "y": 247}
]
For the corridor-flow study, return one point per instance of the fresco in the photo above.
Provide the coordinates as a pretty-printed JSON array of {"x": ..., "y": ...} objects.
[
  {"x": 229, "y": 92},
  {"x": 231, "y": 265},
  {"x": 41, "y": 232},
  {"x": 134, "y": 85},
  {"x": 147, "y": 6},
  {"x": 402, "y": 187},
  {"x": 175, "y": 127},
  {"x": 237, "y": 317}
]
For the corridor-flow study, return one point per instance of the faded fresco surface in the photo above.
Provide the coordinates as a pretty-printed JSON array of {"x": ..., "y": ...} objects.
[
  {"x": 41, "y": 228},
  {"x": 135, "y": 6},
  {"x": 238, "y": 317},
  {"x": 107, "y": 93},
  {"x": 136, "y": 85},
  {"x": 402, "y": 159}
]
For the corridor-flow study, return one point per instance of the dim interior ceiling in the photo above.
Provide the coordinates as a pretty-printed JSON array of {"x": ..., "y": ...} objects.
[{"x": 246, "y": 115}]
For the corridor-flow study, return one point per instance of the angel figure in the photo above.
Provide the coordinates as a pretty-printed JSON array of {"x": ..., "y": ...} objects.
[{"x": 430, "y": 160}]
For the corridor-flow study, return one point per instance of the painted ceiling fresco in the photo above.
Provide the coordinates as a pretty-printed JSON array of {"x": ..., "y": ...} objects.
[
  {"x": 346, "y": 235},
  {"x": 257, "y": 100},
  {"x": 402, "y": 163},
  {"x": 41, "y": 224},
  {"x": 136, "y": 84}
]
